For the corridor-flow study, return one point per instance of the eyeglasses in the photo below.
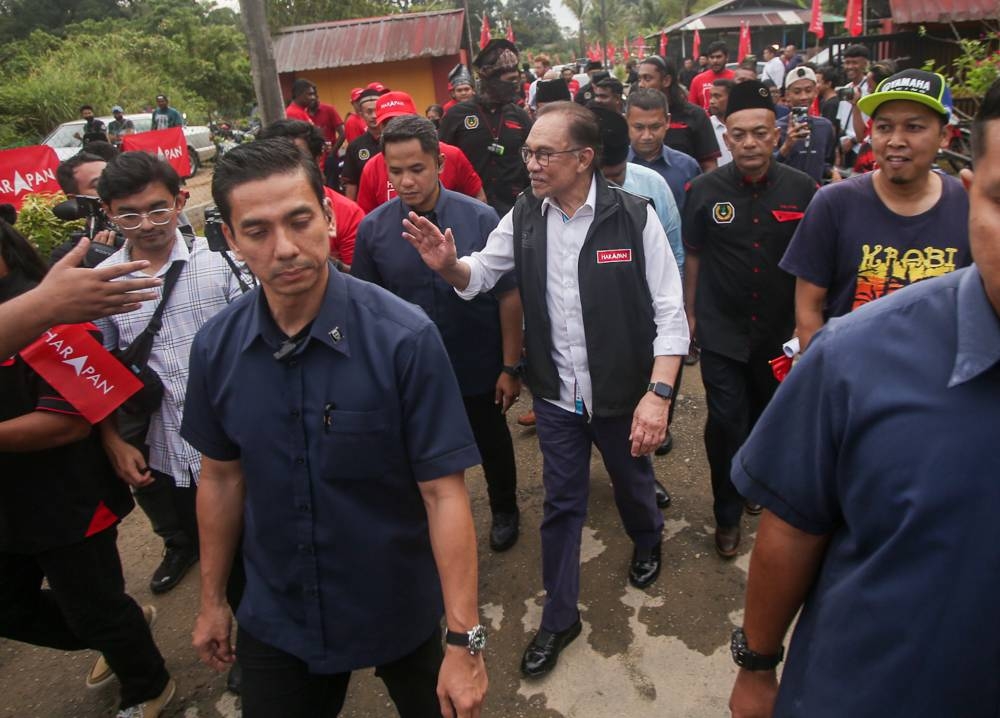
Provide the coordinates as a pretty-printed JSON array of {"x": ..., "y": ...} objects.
[
  {"x": 132, "y": 220},
  {"x": 542, "y": 157}
]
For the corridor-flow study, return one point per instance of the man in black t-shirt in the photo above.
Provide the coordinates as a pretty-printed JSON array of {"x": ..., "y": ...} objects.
[
  {"x": 490, "y": 129},
  {"x": 363, "y": 148},
  {"x": 93, "y": 128}
]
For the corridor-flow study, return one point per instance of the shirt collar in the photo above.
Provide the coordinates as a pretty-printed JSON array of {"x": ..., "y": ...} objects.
[
  {"x": 743, "y": 181},
  {"x": 438, "y": 206},
  {"x": 178, "y": 252},
  {"x": 329, "y": 326},
  {"x": 978, "y": 330},
  {"x": 590, "y": 202},
  {"x": 664, "y": 155}
]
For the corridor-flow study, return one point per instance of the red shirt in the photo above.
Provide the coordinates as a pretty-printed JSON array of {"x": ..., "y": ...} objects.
[
  {"x": 348, "y": 216},
  {"x": 295, "y": 112},
  {"x": 701, "y": 86},
  {"x": 457, "y": 174},
  {"x": 327, "y": 119},
  {"x": 354, "y": 127},
  {"x": 448, "y": 105}
]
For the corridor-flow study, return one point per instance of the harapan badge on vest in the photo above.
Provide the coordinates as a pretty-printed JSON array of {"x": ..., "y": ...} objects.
[
  {"x": 364, "y": 154},
  {"x": 471, "y": 122},
  {"x": 723, "y": 212},
  {"x": 608, "y": 256}
]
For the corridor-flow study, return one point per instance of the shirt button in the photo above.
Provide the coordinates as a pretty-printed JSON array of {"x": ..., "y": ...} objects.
[
  {"x": 753, "y": 317},
  {"x": 756, "y": 245},
  {"x": 756, "y": 221}
]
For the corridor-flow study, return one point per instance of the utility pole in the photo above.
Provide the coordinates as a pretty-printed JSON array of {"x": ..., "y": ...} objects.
[
  {"x": 265, "y": 72},
  {"x": 604, "y": 33}
]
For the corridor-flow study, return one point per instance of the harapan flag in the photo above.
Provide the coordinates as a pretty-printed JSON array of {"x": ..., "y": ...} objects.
[
  {"x": 744, "y": 47},
  {"x": 696, "y": 46},
  {"x": 854, "y": 22},
  {"x": 816, "y": 19},
  {"x": 626, "y": 55},
  {"x": 484, "y": 33},
  {"x": 663, "y": 44},
  {"x": 26, "y": 170},
  {"x": 169, "y": 145},
  {"x": 81, "y": 370},
  {"x": 510, "y": 34}
]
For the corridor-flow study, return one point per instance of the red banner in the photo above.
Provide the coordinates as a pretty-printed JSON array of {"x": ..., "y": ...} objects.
[
  {"x": 854, "y": 22},
  {"x": 816, "y": 19},
  {"x": 626, "y": 55},
  {"x": 696, "y": 47},
  {"x": 81, "y": 370},
  {"x": 484, "y": 33},
  {"x": 663, "y": 44},
  {"x": 744, "y": 47},
  {"x": 169, "y": 145},
  {"x": 510, "y": 34},
  {"x": 25, "y": 170}
]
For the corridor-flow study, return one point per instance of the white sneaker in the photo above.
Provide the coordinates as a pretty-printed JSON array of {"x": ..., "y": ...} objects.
[
  {"x": 153, "y": 707},
  {"x": 101, "y": 673}
]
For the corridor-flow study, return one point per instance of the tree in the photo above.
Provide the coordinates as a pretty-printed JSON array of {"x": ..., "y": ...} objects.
[
  {"x": 18, "y": 18},
  {"x": 580, "y": 9},
  {"x": 285, "y": 13},
  {"x": 534, "y": 25}
]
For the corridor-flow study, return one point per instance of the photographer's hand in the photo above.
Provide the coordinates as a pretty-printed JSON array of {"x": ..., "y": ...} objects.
[{"x": 105, "y": 237}]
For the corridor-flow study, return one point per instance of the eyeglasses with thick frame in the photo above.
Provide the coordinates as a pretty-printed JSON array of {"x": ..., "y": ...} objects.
[
  {"x": 542, "y": 157},
  {"x": 133, "y": 220}
]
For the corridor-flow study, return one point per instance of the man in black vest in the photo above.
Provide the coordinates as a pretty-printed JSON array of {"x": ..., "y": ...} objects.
[{"x": 604, "y": 331}]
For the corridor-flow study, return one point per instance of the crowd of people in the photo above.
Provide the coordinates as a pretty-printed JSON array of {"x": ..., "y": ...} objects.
[{"x": 583, "y": 242}]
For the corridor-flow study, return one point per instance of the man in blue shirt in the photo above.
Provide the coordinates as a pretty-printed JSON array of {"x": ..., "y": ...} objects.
[
  {"x": 165, "y": 116},
  {"x": 484, "y": 336},
  {"x": 885, "y": 537},
  {"x": 333, "y": 435},
  {"x": 648, "y": 119}
]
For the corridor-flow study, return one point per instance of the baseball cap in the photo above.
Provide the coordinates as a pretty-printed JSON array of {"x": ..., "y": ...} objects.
[
  {"x": 356, "y": 94},
  {"x": 927, "y": 88},
  {"x": 799, "y": 73},
  {"x": 116, "y": 108},
  {"x": 393, "y": 104},
  {"x": 378, "y": 87}
]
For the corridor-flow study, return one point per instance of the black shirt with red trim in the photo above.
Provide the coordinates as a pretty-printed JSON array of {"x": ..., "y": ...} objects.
[
  {"x": 475, "y": 128},
  {"x": 59, "y": 496},
  {"x": 739, "y": 230},
  {"x": 356, "y": 157},
  {"x": 691, "y": 132}
]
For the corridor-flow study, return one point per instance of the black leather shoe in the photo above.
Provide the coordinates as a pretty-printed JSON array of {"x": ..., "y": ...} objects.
[
  {"x": 753, "y": 509},
  {"x": 172, "y": 568},
  {"x": 666, "y": 447},
  {"x": 542, "y": 653},
  {"x": 662, "y": 495},
  {"x": 505, "y": 530},
  {"x": 727, "y": 540},
  {"x": 234, "y": 681},
  {"x": 645, "y": 566}
]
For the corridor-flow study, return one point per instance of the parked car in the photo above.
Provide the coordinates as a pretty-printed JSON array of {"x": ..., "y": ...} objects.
[{"x": 199, "y": 138}]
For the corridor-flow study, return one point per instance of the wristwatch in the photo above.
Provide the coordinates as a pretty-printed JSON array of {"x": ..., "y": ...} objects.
[
  {"x": 514, "y": 370},
  {"x": 474, "y": 639},
  {"x": 745, "y": 658},
  {"x": 662, "y": 390}
]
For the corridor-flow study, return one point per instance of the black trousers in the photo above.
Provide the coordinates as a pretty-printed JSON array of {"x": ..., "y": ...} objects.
[
  {"x": 736, "y": 393},
  {"x": 276, "y": 683},
  {"x": 489, "y": 427},
  {"x": 171, "y": 510},
  {"x": 85, "y": 607}
]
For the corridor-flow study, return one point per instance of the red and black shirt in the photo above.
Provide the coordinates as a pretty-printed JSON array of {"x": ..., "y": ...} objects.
[{"x": 691, "y": 132}]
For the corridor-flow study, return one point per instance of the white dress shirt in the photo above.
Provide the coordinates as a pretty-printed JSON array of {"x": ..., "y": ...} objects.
[
  {"x": 720, "y": 129},
  {"x": 565, "y": 238}
]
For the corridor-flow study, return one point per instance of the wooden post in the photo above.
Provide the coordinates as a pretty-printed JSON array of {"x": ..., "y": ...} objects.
[{"x": 265, "y": 73}]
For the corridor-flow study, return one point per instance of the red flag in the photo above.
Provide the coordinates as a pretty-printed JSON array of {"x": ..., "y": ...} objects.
[
  {"x": 744, "y": 47},
  {"x": 640, "y": 47},
  {"x": 610, "y": 53},
  {"x": 625, "y": 52},
  {"x": 81, "y": 370},
  {"x": 484, "y": 33},
  {"x": 169, "y": 145},
  {"x": 816, "y": 19},
  {"x": 854, "y": 22},
  {"x": 696, "y": 47},
  {"x": 510, "y": 33},
  {"x": 663, "y": 44},
  {"x": 780, "y": 366},
  {"x": 26, "y": 170}
]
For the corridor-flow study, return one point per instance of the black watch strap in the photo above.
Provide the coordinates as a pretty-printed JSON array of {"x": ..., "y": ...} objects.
[
  {"x": 474, "y": 640},
  {"x": 514, "y": 370},
  {"x": 749, "y": 660}
]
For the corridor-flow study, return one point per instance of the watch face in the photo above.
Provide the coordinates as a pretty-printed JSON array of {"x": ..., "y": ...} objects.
[{"x": 477, "y": 639}]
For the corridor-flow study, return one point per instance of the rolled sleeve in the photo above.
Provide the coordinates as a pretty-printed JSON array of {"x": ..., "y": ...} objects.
[
  {"x": 664, "y": 281},
  {"x": 439, "y": 440},
  {"x": 496, "y": 259},
  {"x": 200, "y": 426}
]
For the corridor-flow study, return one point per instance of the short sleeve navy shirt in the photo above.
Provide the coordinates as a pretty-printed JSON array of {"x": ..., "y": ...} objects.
[
  {"x": 333, "y": 441},
  {"x": 884, "y": 437},
  {"x": 470, "y": 329}
]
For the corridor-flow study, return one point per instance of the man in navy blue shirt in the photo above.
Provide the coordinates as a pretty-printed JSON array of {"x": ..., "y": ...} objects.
[
  {"x": 876, "y": 465},
  {"x": 333, "y": 435},
  {"x": 484, "y": 336}
]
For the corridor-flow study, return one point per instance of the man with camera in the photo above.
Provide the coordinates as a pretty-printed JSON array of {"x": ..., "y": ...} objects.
[
  {"x": 807, "y": 143},
  {"x": 142, "y": 196},
  {"x": 78, "y": 178}
]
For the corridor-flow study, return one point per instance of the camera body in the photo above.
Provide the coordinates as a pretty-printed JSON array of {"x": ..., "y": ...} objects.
[
  {"x": 213, "y": 230},
  {"x": 90, "y": 210},
  {"x": 845, "y": 93}
]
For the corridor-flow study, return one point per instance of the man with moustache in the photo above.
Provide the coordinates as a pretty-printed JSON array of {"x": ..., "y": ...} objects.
[{"x": 737, "y": 223}]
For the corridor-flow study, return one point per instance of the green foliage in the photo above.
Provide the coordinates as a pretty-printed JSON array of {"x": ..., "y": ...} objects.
[
  {"x": 973, "y": 71},
  {"x": 19, "y": 18},
  {"x": 42, "y": 228},
  {"x": 192, "y": 52}
]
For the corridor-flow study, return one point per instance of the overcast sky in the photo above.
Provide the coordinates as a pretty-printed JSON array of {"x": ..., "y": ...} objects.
[{"x": 563, "y": 16}]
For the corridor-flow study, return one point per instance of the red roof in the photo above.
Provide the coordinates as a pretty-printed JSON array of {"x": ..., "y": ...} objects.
[
  {"x": 905, "y": 12},
  {"x": 346, "y": 43}
]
